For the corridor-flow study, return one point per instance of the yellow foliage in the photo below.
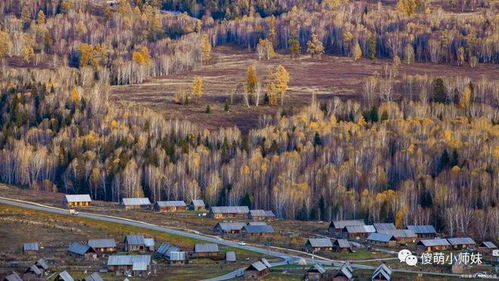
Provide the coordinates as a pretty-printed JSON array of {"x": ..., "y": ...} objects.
[
  {"x": 278, "y": 85},
  {"x": 251, "y": 79},
  {"x": 456, "y": 169},
  {"x": 197, "y": 86},
  {"x": 205, "y": 48},
  {"x": 75, "y": 95},
  {"x": 5, "y": 43},
  {"x": 114, "y": 124},
  {"x": 142, "y": 56},
  {"x": 399, "y": 217},
  {"x": 28, "y": 53}
]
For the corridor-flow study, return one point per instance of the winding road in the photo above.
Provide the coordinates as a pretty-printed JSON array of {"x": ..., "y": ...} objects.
[{"x": 287, "y": 258}]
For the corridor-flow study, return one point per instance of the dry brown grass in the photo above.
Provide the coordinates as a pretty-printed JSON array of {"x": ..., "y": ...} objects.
[{"x": 328, "y": 77}]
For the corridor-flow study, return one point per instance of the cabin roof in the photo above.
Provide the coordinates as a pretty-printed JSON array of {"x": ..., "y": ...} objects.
[
  {"x": 136, "y": 201},
  {"x": 422, "y": 229},
  {"x": 320, "y": 242},
  {"x": 102, "y": 243},
  {"x": 74, "y": 198}
]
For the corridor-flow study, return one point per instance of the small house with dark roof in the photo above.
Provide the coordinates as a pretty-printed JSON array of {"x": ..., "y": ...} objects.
[
  {"x": 461, "y": 242},
  {"x": 257, "y": 230},
  {"x": 402, "y": 236},
  {"x": 149, "y": 243},
  {"x": 81, "y": 250},
  {"x": 423, "y": 231},
  {"x": 384, "y": 226},
  {"x": 77, "y": 200},
  {"x": 64, "y": 276},
  {"x": 173, "y": 255},
  {"x": 103, "y": 245},
  {"x": 261, "y": 215},
  {"x": 135, "y": 264},
  {"x": 382, "y": 273},
  {"x": 198, "y": 205},
  {"x": 318, "y": 245},
  {"x": 430, "y": 245},
  {"x": 202, "y": 250},
  {"x": 315, "y": 273},
  {"x": 229, "y": 227},
  {"x": 487, "y": 247},
  {"x": 135, "y": 243},
  {"x": 358, "y": 231},
  {"x": 34, "y": 270},
  {"x": 42, "y": 264},
  {"x": 170, "y": 206},
  {"x": 344, "y": 273},
  {"x": 221, "y": 212},
  {"x": 30, "y": 248},
  {"x": 256, "y": 270},
  {"x": 338, "y": 227},
  {"x": 342, "y": 245},
  {"x": 135, "y": 203},
  {"x": 230, "y": 256},
  {"x": 14, "y": 276},
  {"x": 93, "y": 277},
  {"x": 383, "y": 239}
]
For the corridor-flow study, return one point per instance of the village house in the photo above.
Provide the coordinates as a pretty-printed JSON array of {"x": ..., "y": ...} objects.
[
  {"x": 198, "y": 205},
  {"x": 13, "y": 277},
  {"x": 81, "y": 250},
  {"x": 33, "y": 270},
  {"x": 261, "y": 215},
  {"x": 135, "y": 203},
  {"x": 461, "y": 242},
  {"x": 384, "y": 226},
  {"x": 431, "y": 245},
  {"x": 315, "y": 273},
  {"x": 318, "y": 245},
  {"x": 345, "y": 273},
  {"x": 103, "y": 245},
  {"x": 382, "y": 239},
  {"x": 382, "y": 273},
  {"x": 30, "y": 248},
  {"x": 257, "y": 230},
  {"x": 205, "y": 250},
  {"x": 64, "y": 276},
  {"x": 358, "y": 231},
  {"x": 256, "y": 270},
  {"x": 402, "y": 236},
  {"x": 221, "y": 212},
  {"x": 136, "y": 265},
  {"x": 342, "y": 245},
  {"x": 93, "y": 277},
  {"x": 487, "y": 247},
  {"x": 149, "y": 243},
  {"x": 423, "y": 231},
  {"x": 230, "y": 256},
  {"x": 338, "y": 227},
  {"x": 170, "y": 206},
  {"x": 77, "y": 200},
  {"x": 172, "y": 254},
  {"x": 42, "y": 264},
  {"x": 135, "y": 243},
  {"x": 229, "y": 227}
]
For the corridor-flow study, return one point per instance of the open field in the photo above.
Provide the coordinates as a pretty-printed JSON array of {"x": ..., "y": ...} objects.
[
  {"x": 56, "y": 232},
  {"x": 290, "y": 233},
  {"x": 328, "y": 77}
]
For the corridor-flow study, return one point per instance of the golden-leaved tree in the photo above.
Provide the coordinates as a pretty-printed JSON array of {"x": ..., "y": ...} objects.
[{"x": 278, "y": 85}]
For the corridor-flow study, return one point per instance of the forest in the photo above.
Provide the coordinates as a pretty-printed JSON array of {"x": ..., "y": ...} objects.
[{"x": 422, "y": 150}]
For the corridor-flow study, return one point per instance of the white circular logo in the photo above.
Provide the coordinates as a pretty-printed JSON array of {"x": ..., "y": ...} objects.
[
  {"x": 403, "y": 254},
  {"x": 411, "y": 260}
]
